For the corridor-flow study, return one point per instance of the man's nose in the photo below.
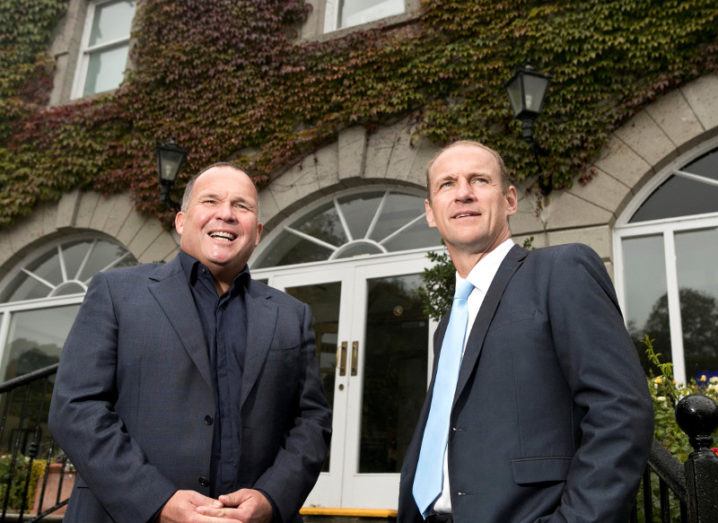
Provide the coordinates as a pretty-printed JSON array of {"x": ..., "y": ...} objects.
[
  {"x": 225, "y": 212},
  {"x": 463, "y": 191}
]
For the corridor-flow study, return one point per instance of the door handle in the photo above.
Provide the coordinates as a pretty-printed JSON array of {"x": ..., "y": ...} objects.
[
  {"x": 342, "y": 358},
  {"x": 355, "y": 357}
]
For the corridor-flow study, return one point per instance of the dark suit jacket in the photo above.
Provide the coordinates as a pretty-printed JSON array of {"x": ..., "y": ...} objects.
[
  {"x": 134, "y": 389},
  {"x": 551, "y": 419}
]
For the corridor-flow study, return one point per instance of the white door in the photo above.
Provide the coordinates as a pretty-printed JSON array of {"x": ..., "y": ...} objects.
[{"x": 373, "y": 348}]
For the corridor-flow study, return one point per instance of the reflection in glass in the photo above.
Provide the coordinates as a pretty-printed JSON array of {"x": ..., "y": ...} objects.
[
  {"x": 35, "y": 339},
  {"x": 645, "y": 291},
  {"x": 111, "y": 21},
  {"x": 323, "y": 224},
  {"x": 706, "y": 165},
  {"x": 105, "y": 69},
  {"x": 359, "y": 211},
  {"x": 395, "y": 360},
  {"x": 678, "y": 196},
  {"x": 399, "y": 210},
  {"x": 323, "y": 299},
  {"x": 696, "y": 255},
  {"x": 355, "y": 12}
]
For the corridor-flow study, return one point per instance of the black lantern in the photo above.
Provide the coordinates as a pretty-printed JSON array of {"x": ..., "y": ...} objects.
[
  {"x": 527, "y": 89},
  {"x": 170, "y": 160}
]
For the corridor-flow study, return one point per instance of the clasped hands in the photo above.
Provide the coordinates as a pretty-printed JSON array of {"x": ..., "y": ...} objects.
[{"x": 244, "y": 505}]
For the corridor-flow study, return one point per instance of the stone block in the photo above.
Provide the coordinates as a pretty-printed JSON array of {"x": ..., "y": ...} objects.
[
  {"x": 402, "y": 157},
  {"x": 526, "y": 221},
  {"x": 565, "y": 210},
  {"x": 171, "y": 255},
  {"x": 621, "y": 162},
  {"x": 86, "y": 208},
  {"x": 118, "y": 213},
  {"x": 537, "y": 240},
  {"x": 380, "y": 146},
  {"x": 675, "y": 117},
  {"x": 129, "y": 228},
  {"x": 25, "y": 231},
  {"x": 598, "y": 238},
  {"x": 327, "y": 166},
  {"x": 702, "y": 96},
  {"x": 293, "y": 185},
  {"x": 646, "y": 138},
  {"x": 425, "y": 151},
  {"x": 150, "y": 231},
  {"x": 67, "y": 209},
  {"x": 102, "y": 211},
  {"x": 161, "y": 247},
  {"x": 602, "y": 190},
  {"x": 352, "y": 145},
  {"x": 49, "y": 218},
  {"x": 268, "y": 208}
]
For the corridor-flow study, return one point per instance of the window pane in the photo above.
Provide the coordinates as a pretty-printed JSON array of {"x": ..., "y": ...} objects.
[
  {"x": 359, "y": 211},
  {"x": 418, "y": 235},
  {"x": 706, "y": 165},
  {"x": 645, "y": 290},
  {"x": 678, "y": 196},
  {"x": 399, "y": 210},
  {"x": 395, "y": 363},
  {"x": 36, "y": 338},
  {"x": 103, "y": 254},
  {"x": 323, "y": 224},
  {"x": 696, "y": 255},
  {"x": 354, "y": 12},
  {"x": 111, "y": 22},
  {"x": 105, "y": 70},
  {"x": 289, "y": 249},
  {"x": 357, "y": 249}
]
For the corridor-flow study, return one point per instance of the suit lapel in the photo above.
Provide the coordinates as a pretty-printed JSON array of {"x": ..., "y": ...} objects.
[
  {"x": 261, "y": 323},
  {"x": 475, "y": 343},
  {"x": 169, "y": 287}
]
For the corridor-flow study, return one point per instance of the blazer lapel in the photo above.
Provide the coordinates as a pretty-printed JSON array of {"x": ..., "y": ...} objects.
[
  {"x": 169, "y": 287},
  {"x": 261, "y": 322},
  {"x": 475, "y": 343}
]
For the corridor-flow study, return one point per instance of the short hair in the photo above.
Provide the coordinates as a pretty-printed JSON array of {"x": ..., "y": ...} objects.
[
  {"x": 187, "y": 195},
  {"x": 506, "y": 180}
]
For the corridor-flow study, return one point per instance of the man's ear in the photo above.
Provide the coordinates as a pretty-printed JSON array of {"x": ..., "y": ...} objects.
[
  {"x": 429, "y": 213},
  {"x": 179, "y": 222},
  {"x": 260, "y": 228},
  {"x": 512, "y": 200}
]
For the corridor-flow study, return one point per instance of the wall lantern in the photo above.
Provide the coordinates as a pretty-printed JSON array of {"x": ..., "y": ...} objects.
[
  {"x": 527, "y": 91},
  {"x": 170, "y": 160}
]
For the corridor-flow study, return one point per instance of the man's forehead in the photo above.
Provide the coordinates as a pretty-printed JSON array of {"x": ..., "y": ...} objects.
[
  {"x": 465, "y": 157},
  {"x": 225, "y": 175}
]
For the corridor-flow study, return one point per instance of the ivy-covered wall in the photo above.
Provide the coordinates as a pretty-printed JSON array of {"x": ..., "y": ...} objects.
[{"x": 229, "y": 79}]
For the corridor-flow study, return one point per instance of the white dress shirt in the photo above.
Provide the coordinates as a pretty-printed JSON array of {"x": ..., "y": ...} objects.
[{"x": 480, "y": 277}]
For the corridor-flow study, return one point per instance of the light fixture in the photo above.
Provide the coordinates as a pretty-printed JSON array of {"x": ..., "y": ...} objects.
[{"x": 170, "y": 160}]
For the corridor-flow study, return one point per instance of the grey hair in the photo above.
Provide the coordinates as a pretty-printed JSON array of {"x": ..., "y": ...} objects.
[{"x": 187, "y": 195}]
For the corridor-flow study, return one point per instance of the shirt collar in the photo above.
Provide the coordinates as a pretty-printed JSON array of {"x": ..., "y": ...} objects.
[
  {"x": 484, "y": 271},
  {"x": 191, "y": 266}
]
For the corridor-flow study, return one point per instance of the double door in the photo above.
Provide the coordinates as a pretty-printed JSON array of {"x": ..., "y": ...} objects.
[{"x": 373, "y": 342}]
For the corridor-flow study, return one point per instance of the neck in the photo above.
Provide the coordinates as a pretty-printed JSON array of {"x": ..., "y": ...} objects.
[
  {"x": 465, "y": 260},
  {"x": 224, "y": 278}
]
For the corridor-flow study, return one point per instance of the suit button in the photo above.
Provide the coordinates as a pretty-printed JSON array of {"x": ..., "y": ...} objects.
[
  {"x": 203, "y": 481},
  {"x": 461, "y": 493},
  {"x": 208, "y": 420}
]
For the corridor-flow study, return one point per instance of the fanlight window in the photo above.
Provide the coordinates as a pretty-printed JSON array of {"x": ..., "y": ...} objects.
[
  {"x": 66, "y": 269},
  {"x": 375, "y": 222}
]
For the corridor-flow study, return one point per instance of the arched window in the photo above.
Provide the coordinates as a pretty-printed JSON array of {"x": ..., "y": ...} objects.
[
  {"x": 41, "y": 296},
  {"x": 667, "y": 268},
  {"x": 348, "y": 225}
]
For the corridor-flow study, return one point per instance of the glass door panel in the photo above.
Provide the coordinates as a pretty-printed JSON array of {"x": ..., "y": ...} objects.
[
  {"x": 395, "y": 355},
  {"x": 697, "y": 272}
]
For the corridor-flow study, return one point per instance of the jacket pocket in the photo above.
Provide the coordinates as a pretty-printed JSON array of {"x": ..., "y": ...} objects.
[{"x": 538, "y": 470}]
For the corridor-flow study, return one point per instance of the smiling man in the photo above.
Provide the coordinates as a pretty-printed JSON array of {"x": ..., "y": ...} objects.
[
  {"x": 189, "y": 391},
  {"x": 538, "y": 409}
]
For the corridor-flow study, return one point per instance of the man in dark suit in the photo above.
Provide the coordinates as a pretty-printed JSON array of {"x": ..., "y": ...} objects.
[
  {"x": 187, "y": 382},
  {"x": 545, "y": 416}
]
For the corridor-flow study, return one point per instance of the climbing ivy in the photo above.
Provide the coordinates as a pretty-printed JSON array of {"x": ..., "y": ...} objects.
[{"x": 231, "y": 79}]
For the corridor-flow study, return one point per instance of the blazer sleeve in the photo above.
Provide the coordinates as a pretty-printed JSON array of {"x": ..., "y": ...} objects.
[
  {"x": 84, "y": 422},
  {"x": 609, "y": 389},
  {"x": 298, "y": 463}
]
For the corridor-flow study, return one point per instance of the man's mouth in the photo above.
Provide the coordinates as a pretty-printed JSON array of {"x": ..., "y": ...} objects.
[
  {"x": 466, "y": 214},
  {"x": 222, "y": 235}
]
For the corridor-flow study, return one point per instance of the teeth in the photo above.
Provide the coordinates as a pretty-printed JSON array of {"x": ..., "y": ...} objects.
[{"x": 223, "y": 235}]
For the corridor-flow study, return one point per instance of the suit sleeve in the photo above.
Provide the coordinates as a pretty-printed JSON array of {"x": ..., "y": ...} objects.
[
  {"x": 608, "y": 386},
  {"x": 84, "y": 422},
  {"x": 298, "y": 463}
]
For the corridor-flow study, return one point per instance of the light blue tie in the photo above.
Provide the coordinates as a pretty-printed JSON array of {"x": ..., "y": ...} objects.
[{"x": 429, "y": 469}]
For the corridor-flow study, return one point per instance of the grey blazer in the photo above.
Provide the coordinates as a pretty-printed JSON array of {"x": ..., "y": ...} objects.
[
  {"x": 551, "y": 420},
  {"x": 134, "y": 390}
]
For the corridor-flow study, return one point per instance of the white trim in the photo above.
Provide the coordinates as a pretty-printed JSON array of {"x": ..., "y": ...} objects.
[
  {"x": 674, "y": 308},
  {"x": 696, "y": 177},
  {"x": 332, "y": 14},
  {"x": 402, "y": 228},
  {"x": 311, "y": 238}
]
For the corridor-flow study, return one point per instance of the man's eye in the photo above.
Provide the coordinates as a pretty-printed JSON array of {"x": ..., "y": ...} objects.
[
  {"x": 480, "y": 180},
  {"x": 209, "y": 202}
]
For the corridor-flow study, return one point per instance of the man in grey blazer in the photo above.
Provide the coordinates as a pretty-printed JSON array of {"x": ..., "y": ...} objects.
[
  {"x": 548, "y": 417},
  {"x": 188, "y": 391}
]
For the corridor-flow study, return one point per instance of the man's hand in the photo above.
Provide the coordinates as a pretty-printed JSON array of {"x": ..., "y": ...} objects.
[
  {"x": 181, "y": 508},
  {"x": 245, "y": 505}
]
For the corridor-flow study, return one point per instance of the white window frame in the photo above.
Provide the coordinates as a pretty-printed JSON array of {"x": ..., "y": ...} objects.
[
  {"x": 83, "y": 61},
  {"x": 331, "y": 16},
  {"x": 667, "y": 228}
]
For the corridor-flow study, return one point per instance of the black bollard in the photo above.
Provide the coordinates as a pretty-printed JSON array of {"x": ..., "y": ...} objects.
[{"x": 697, "y": 416}]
